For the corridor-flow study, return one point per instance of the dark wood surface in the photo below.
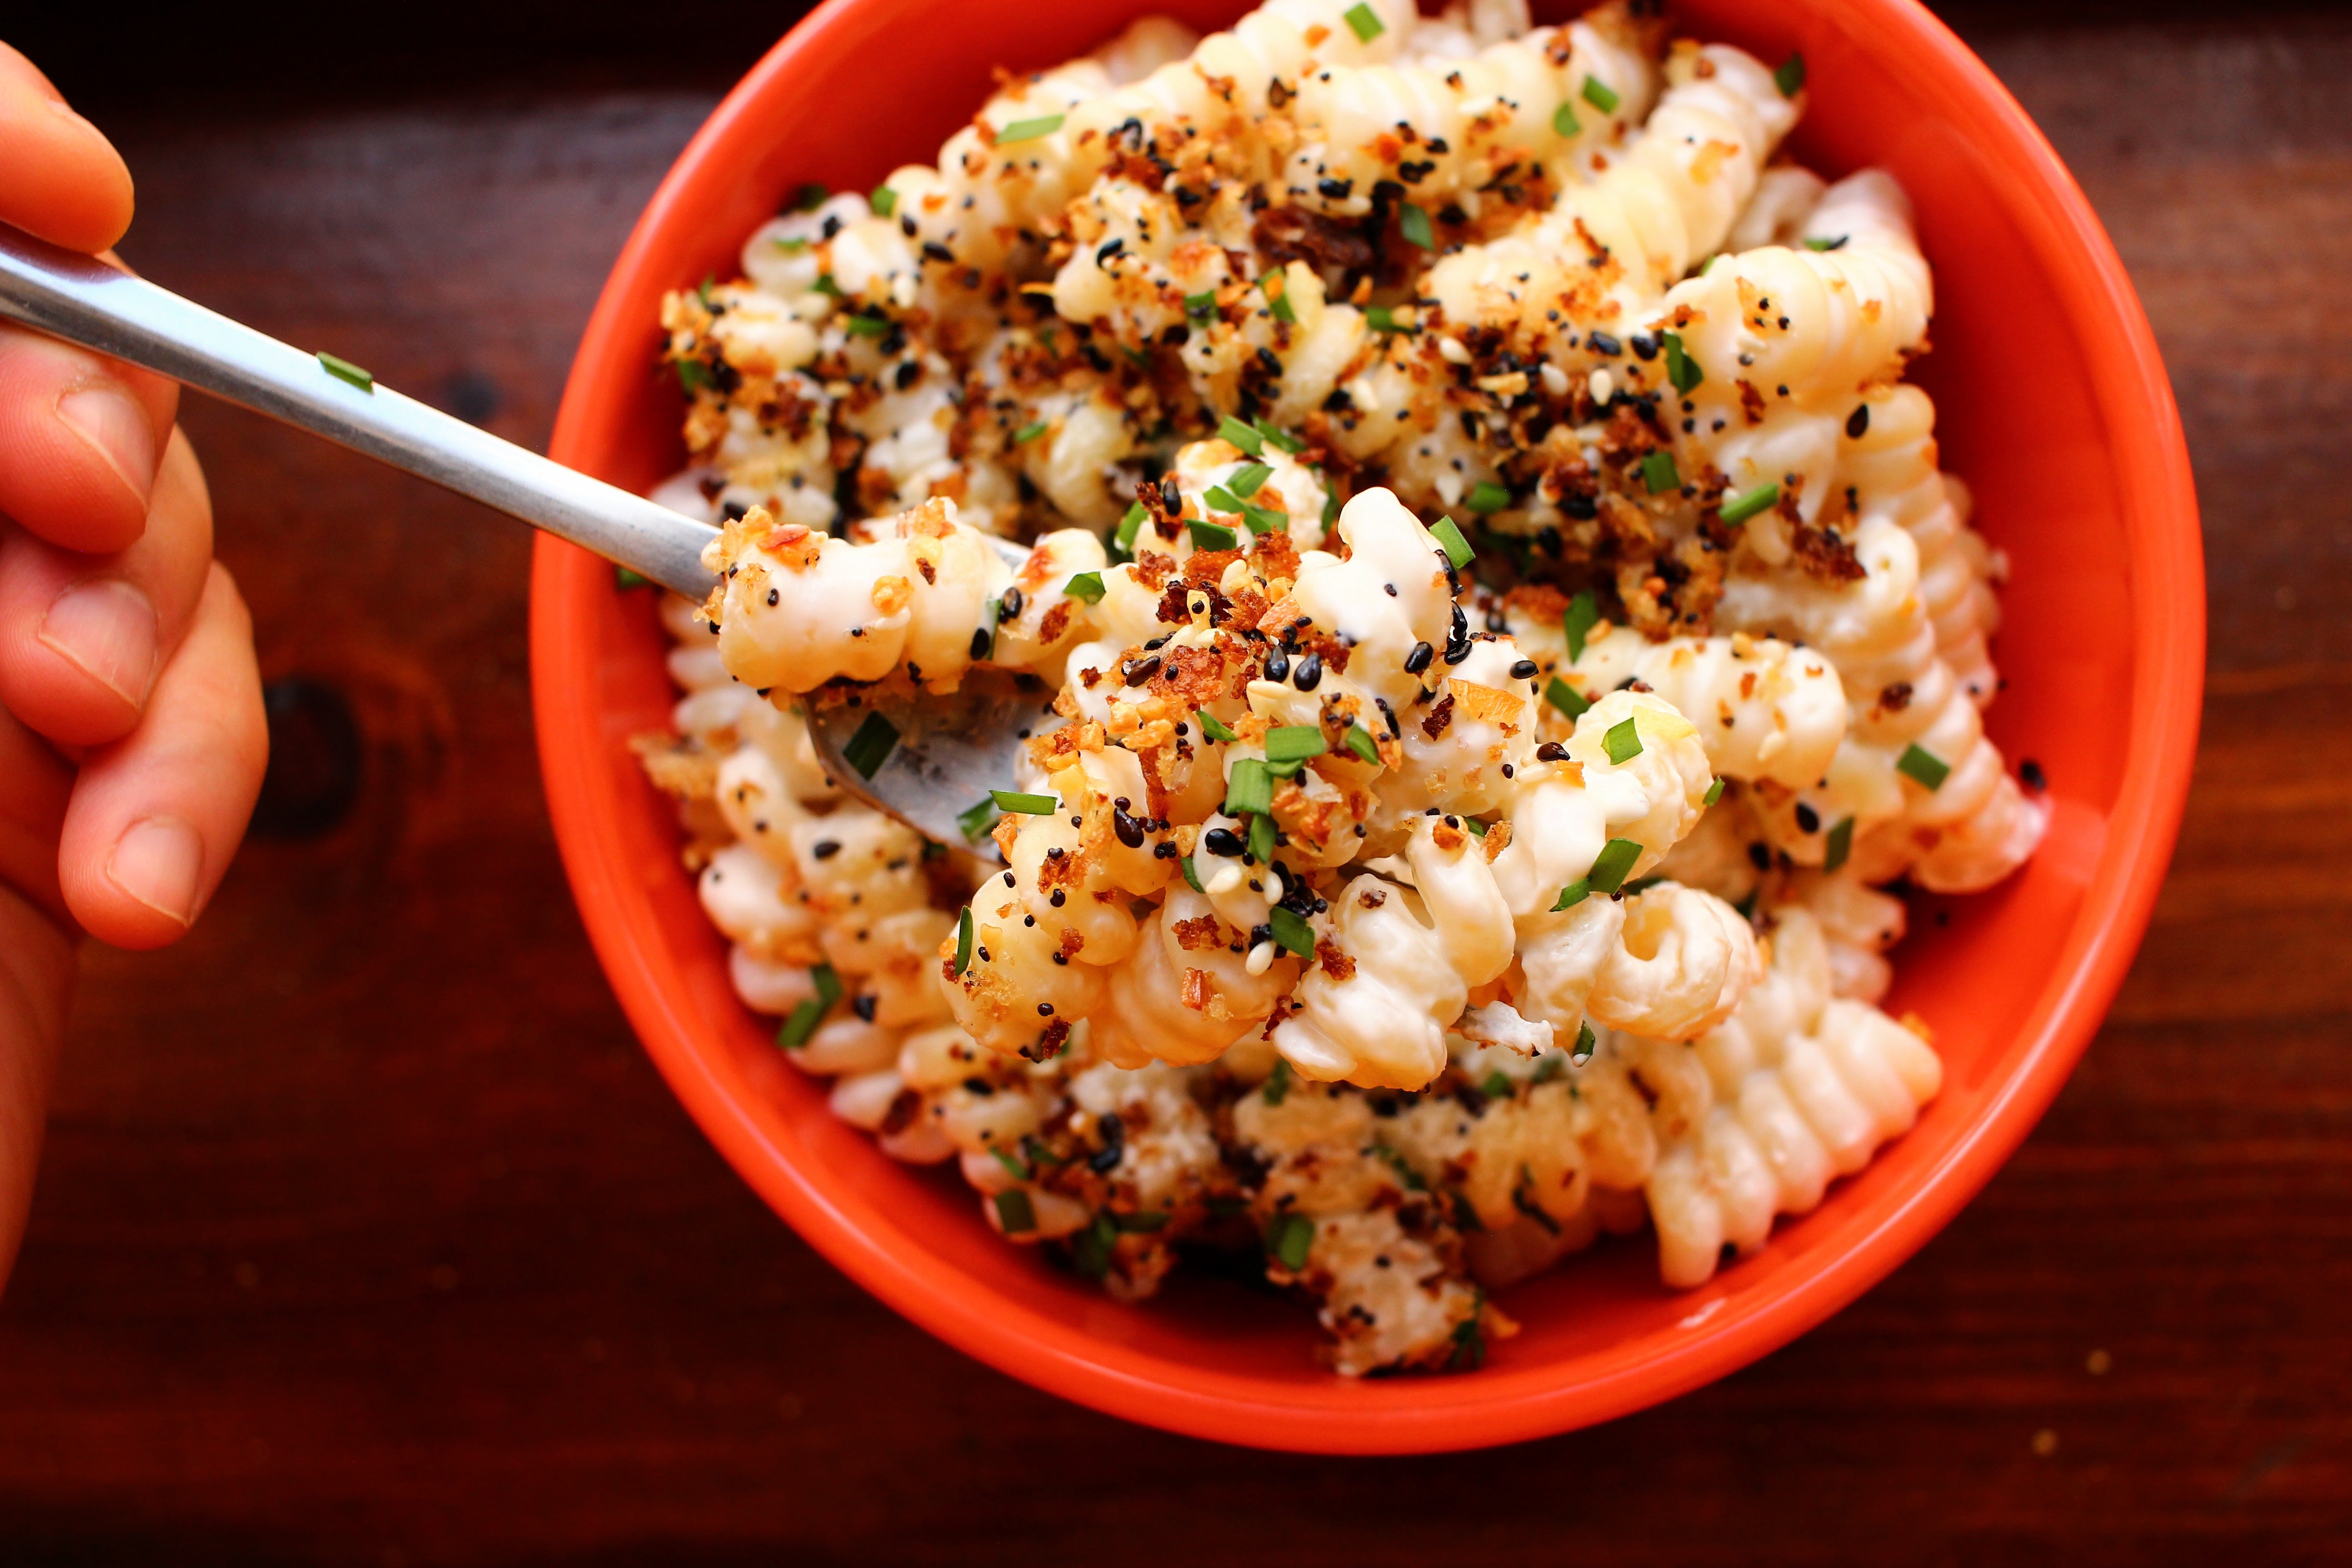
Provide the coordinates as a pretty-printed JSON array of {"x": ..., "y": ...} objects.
[{"x": 366, "y": 1234}]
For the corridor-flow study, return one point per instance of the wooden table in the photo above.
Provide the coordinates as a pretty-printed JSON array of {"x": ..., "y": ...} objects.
[{"x": 366, "y": 1234}]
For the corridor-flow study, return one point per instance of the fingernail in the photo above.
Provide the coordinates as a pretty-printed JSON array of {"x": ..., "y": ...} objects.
[
  {"x": 160, "y": 861},
  {"x": 115, "y": 428},
  {"x": 108, "y": 629}
]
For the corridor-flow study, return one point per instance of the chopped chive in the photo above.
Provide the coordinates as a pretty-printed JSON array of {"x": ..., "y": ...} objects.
[
  {"x": 1412, "y": 222},
  {"x": 1293, "y": 742},
  {"x": 1216, "y": 497},
  {"x": 1681, "y": 369},
  {"x": 1248, "y": 438},
  {"x": 1564, "y": 121},
  {"x": 623, "y": 579},
  {"x": 1495, "y": 1085},
  {"x": 1200, "y": 307},
  {"x": 811, "y": 1010},
  {"x": 1285, "y": 441},
  {"x": 1278, "y": 304},
  {"x": 1264, "y": 520},
  {"x": 884, "y": 201},
  {"x": 1548, "y": 1070},
  {"x": 1016, "y": 1213},
  {"x": 1623, "y": 742},
  {"x": 1448, "y": 534},
  {"x": 1029, "y": 129},
  {"x": 1713, "y": 793},
  {"x": 871, "y": 745},
  {"x": 1924, "y": 765},
  {"x": 1747, "y": 503},
  {"x": 344, "y": 369},
  {"x": 979, "y": 819},
  {"x": 1575, "y": 893},
  {"x": 1487, "y": 495},
  {"x": 1084, "y": 585},
  {"x": 865, "y": 326},
  {"x": 1659, "y": 473},
  {"x": 1028, "y": 433},
  {"x": 1837, "y": 244},
  {"x": 1292, "y": 1237},
  {"x": 1244, "y": 482},
  {"x": 1330, "y": 508},
  {"x": 1791, "y": 77},
  {"x": 1599, "y": 94},
  {"x": 1291, "y": 932},
  {"x": 791, "y": 245},
  {"x": 1382, "y": 319},
  {"x": 1012, "y": 1164},
  {"x": 826, "y": 285},
  {"x": 1213, "y": 536},
  {"x": 1610, "y": 867},
  {"x": 702, "y": 294},
  {"x": 809, "y": 197},
  {"x": 963, "y": 942},
  {"x": 1360, "y": 740},
  {"x": 1261, "y": 839},
  {"x": 693, "y": 375},
  {"x": 1215, "y": 728},
  {"x": 934, "y": 850},
  {"x": 1129, "y": 527},
  {"x": 1024, "y": 803},
  {"x": 1839, "y": 846},
  {"x": 1582, "y": 614},
  {"x": 1566, "y": 698},
  {"x": 1277, "y": 1083},
  {"x": 1364, "y": 22},
  {"x": 1139, "y": 1223},
  {"x": 1192, "y": 878},
  {"x": 1248, "y": 788},
  {"x": 1585, "y": 1045},
  {"x": 1475, "y": 825},
  {"x": 1629, "y": 889}
]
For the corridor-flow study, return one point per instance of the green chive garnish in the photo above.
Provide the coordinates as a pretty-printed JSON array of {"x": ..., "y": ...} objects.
[
  {"x": 1840, "y": 846},
  {"x": 1837, "y": 244},
  {"x": 1213, "y": 536},
  {"x": 1363, "y": 22},
  {"x": 809, "y": 197},
  {"x": 1192, "y": 878},
  {"x": 1747, "y": 503},
  {"x": 623, "y": 579},
  {"x": 963, "y": 942},
  {"x": 1028, "y": 433},
  {"x": 1485, "y": 496},
  {"x": 1261, "y": 839},
  {"x": 693, "y": 375},
  {"x": 1566, "y": 698},
  {"x": 1279, "y": 305},
  {"x": 1564, "y": 120},
  {"x": 1248, "y": 788},
  {"x": 1475, "y": 825},
  {"x": 1248, "y": 438},
  {"x": 1291, "y": 932},
  {"x": 1293, "y": 742},
  {"x": 1245, "y": 480},
  {"x": 826, "y": 285},
  {"x": 865, "y": 326},
  {"x": 1582, "y": 614},
  {"x": 1215, "y": 728},
  {"x": 344, "y": 369},
  {"x": 1791, "y": 76},
  {"x": 1412, "y": 222},
  {"x": 884, "y": 201},
  {"x": 871, "y": 745},
  {"x": 1360, "y": 740},
  {"x": 1144, "y": 1224},
  {"x": 1287, "y": 442},
  {"x": 791, "y": 246},
  {"x": 1681, "y": 369},
  {"x": 979, "y": 819},
  {"x": 1925, "y": 766},
  {"x": 1218, "y": 499},
  {"x": 1585, "y": 1045},
  {"x": 1599, "y": 94},
  {"x": 1575, "y": 893},
  {"x": 1262, "y": 520},
  {"x": 1086, "y": 585},
  {"x": 1029, "y": 129},
  {"x": 1012, "y": 1162},
  {"x": 1277, "y": 1084},
  {"x": 811, "y": 1011},
  {"x": 1495, "y": 1085},
  {"x": 1623, "y": 742},
  {"x": 1129, "y": 527},
  {"x": 1448, "y": 535},
  {"x": 1016, "y": 1213},
  {"x": 1382, "y": 319},
  {"x": 1713, "y": 793},
  {"x": 1201, "y": 306},
  {"x": 1610, "y": 867},
  {"x": 1293, "y": 1236},
  {"x": 1027, "y": 804},
  {"x": 1658, "y": 472}
]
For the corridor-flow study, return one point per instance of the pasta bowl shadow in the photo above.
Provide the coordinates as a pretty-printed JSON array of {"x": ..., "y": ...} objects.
[{"x": 2054, "y": 407}]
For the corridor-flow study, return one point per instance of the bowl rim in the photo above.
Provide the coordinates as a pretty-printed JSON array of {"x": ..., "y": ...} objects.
[{"x": 2155, "y": 504}]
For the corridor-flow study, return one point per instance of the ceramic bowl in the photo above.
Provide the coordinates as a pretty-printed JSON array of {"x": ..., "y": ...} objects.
[{"x": 2055, "y": 409}]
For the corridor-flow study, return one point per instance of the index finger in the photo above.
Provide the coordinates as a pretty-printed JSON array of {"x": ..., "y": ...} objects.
[{"x": 62, "y": 179}]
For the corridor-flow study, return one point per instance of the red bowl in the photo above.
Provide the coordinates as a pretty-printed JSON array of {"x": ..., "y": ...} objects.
[{"x": 2055, "y": 407}]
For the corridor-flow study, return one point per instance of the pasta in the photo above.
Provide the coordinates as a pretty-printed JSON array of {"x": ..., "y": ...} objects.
[{"x": 1510, "y": 633}]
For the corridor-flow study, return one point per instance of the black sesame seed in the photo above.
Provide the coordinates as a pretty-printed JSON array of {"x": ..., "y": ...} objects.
[
  {"x": 1277, "y": 665},
  {"x": 1222, "y": 841},
  {"x": 1522, "y": 669},
  {"x": 1808, "y": 819},
  {"x": 1857, "y": 422},
  {"x": 1552, "y": 751},
  {"x": 1310, "y": 673},
  {"x": 826, "y": 848},
  {"x": 1418, "y": 660}
]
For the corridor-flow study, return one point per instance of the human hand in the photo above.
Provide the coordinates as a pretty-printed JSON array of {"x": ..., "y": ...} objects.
[{"x": 131, "y": 737}]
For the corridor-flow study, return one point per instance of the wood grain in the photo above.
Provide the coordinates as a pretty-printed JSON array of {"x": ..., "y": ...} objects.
[{"x": 366, "y": 1234}]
